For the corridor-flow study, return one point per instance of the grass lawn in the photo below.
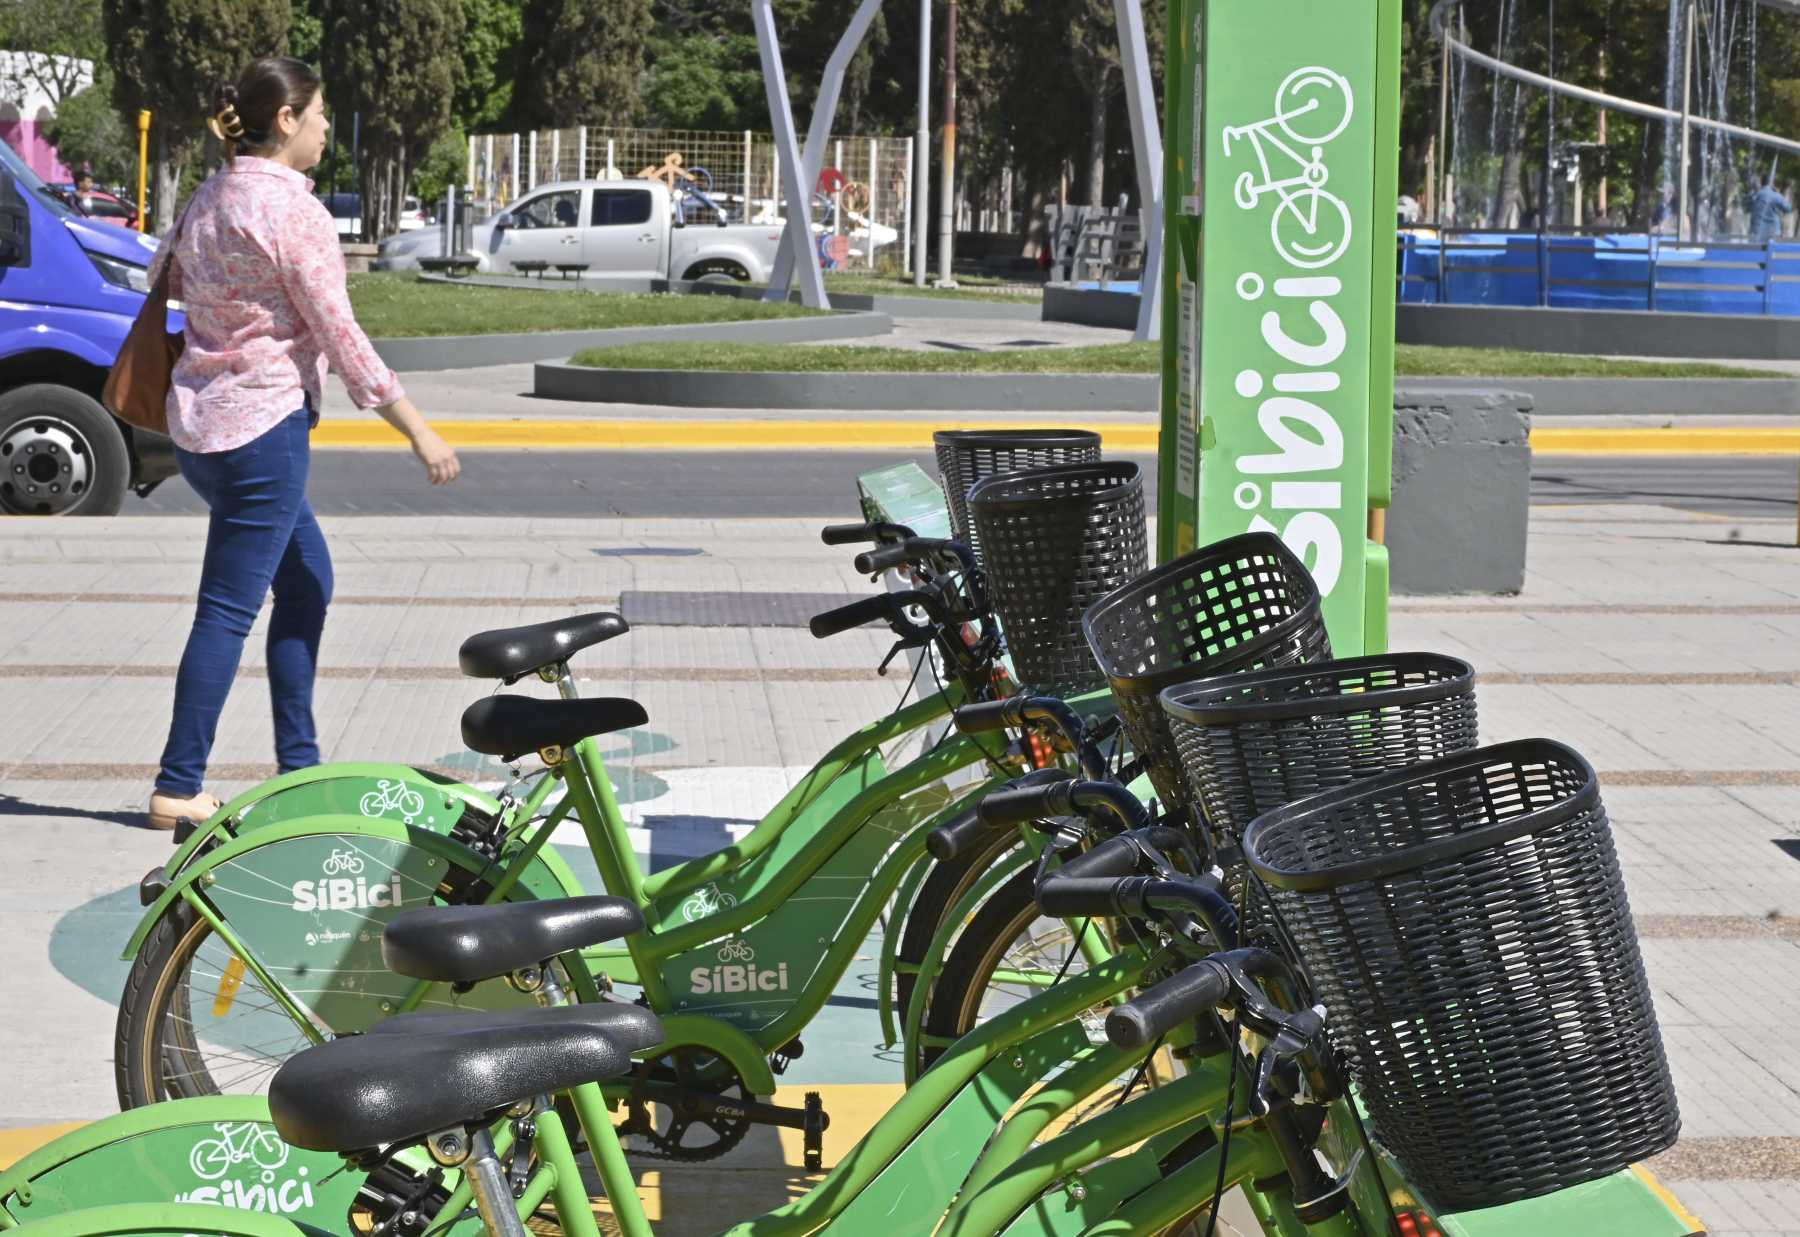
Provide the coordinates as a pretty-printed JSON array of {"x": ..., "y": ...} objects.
[
  {"x": 390, "y": 305},
  {"x": 1411, "y": 361},
  {"x": 968, "y": 288}
]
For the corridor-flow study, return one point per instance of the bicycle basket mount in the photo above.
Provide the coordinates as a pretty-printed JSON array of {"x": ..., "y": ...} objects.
[
  {"x": 965, "y": 457},
  {"x": 1237, "y": 604},
  {"x": 1055, "y": 540},
  {"x": 1464, "y": 921}
]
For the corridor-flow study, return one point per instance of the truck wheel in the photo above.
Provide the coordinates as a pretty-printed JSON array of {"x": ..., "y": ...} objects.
[
  {"x": 60, "y": 454},
  {"x": 718, "y": 273}
]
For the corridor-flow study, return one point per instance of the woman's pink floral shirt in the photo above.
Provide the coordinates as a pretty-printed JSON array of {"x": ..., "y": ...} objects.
[{"x": 261, "y": 277}]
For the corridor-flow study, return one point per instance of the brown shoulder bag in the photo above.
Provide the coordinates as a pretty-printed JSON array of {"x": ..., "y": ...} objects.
[{"x": 137, "y": 387}]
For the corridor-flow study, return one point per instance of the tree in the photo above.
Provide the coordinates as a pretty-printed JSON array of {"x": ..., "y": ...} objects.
[
  {"x": 582, "y": 62},
  {"x": 397, "y": 63},
  {"x": 168, "y": 55},
  {"x": 51, "y": 39},
  {"x": 89, "y": 133},
  {"x": 490, "y": 49},
  {"x": 705, "y": 81}
]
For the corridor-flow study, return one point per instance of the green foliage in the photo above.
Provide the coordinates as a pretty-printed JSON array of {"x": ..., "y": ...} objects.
[
  {"x": 167, "y": 55},
  {"x": 705, "y": 81},
  {"x": 389, "y": 306},
  {"x": 582, "y": 62},
  {"x": 52, "y": 35},
  {"x": 89, "y": 133},
  {"x": 446, "y": 163},
  {"x": 490, "y": 50},
  {"x": 306, "y": 30}
]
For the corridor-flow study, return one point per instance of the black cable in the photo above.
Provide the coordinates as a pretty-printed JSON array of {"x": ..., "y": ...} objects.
[
  {"x": 1237, "y": 1040},
  {"x": 979, "y": 745},
  {"x": 1142, "y": 1069}
]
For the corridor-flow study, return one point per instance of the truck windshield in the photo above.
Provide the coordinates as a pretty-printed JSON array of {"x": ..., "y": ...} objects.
[{"x": 21, "y": 172}]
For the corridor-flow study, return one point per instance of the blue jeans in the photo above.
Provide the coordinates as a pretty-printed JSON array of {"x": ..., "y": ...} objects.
[{"x": 262, "y": 535}]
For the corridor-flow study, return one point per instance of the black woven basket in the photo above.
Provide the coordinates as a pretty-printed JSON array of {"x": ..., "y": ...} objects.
[
  {"x": 1251, "y": 742},
  {"x": 1465, "y": 924},
  {"x": 965, "y": 457},
  {"x": 1055, "y": 540},
  {"x": 1237, "y": 604}
]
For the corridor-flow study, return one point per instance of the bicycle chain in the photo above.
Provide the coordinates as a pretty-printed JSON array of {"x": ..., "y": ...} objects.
[{"x": 653, "y": 1145}]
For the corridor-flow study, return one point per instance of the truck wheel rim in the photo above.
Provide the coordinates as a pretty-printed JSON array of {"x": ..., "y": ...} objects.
[{"x": 46, "y": 467}]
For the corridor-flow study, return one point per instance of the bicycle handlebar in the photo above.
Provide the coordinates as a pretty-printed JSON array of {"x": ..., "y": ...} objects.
[
  {"x": 1016, "y": 804},
  {"x": 957, "y": 837},
  {"x": 849, "y": 534},
  {"x": 1185, "y": 995},
  {"x": 1016, "y": 712},
  {"x": 868, "y": 610}
]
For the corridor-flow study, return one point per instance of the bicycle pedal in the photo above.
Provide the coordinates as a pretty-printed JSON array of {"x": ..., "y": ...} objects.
[
  {"x": 786, "y": 1055},
  {"x": 817, "y": 1122}
]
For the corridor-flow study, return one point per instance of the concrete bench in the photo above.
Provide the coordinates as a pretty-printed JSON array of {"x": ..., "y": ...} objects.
[
  {"x": 530, "y": 267},
  {"x": 570, "y": 270},
  {"x": 453, "y": 267}
]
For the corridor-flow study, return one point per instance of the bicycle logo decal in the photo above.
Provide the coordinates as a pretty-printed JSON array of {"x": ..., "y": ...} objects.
[
  {"x": 256, "y": 1145},
  {"x": 237, "y": 1142},
  {"x": 393, "y": 797},
  {"x": 707, "y": 901},
  {"x": 344, "y": 862},
  {"x": 1311, "y": 225},
  {"x": 736, "y": 972},
  {"x": 736, "y": 949}
]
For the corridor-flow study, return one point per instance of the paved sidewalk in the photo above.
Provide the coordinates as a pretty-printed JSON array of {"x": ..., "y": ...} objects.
[{"x": 1664, "y": 645}]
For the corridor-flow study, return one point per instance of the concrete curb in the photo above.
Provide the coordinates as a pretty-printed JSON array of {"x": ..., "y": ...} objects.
[
  {"x": 1022, "y": 393},
  {"x": 474, "y": 351},
  {"x": 1600, "y": 332},
  {"x": 1090, "y": 307},
  {"x": 1557, "y": 397},
  {"x": 1027, "y": 310}
]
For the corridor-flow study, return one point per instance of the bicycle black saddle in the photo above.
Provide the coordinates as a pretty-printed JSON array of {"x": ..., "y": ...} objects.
[
  {"x": 511, "y": 653},
  {"x": 366, "y": 1091},
  {"x": 467, "y": 944},
  {"x": 510, "y": 726}
]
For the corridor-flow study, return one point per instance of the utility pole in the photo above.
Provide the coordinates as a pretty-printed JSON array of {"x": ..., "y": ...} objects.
[
  {"x": 947, "y": 186},
  {"x": 1687, "y": 87},
  {"x": 922, "y": 156}
]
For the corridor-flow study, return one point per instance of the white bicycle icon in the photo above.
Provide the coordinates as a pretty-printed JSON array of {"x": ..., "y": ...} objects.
[
  {"x": 212, "y": 1158},
  {"x": 393, "y": 796},
  {"x": 1311, "y": 226},
  {"x": 737, "y": 949},
  {"x": 346, "y": 861},
  {"x": 707, "y": 901}
]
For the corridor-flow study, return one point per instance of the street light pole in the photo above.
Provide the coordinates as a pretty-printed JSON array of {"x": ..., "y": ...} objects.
[
  {"x": 922, "y": 157},
  {"x": 947, "y": 187},
  {"x": 1687, "y": 85}
]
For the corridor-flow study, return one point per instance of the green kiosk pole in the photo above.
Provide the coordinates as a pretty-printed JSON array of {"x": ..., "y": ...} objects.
[{"x": 1279, "y": 184}]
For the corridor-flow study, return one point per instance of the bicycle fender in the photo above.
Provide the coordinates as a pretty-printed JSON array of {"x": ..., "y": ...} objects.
[
  {"x": 334, "y": 788},
  {"x": 548, "y": 876},
  {"x": 746, "y": 1056}
]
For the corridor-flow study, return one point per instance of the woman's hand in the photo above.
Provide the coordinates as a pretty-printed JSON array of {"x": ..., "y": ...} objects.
[{"x": 439, "y": 458}]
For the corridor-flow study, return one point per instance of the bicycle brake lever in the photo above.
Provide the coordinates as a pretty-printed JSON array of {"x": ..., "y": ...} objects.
[{"x": 900, "y": 646}]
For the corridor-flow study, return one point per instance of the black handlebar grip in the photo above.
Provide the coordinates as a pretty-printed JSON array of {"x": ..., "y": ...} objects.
[
  {"x": 1079, "y": 897},
  {"x": 955, "y": 838},
  {"x": 848, "y": 534},
  {"x": 1145, "y": 1019},
  {"x": 881, "y": 558},
  {"x": 1113, "y": 858},
  {"x": 988, "y": 716},
  {"x": 1019, "y": 803},
  {"x": 868, "y": 610}
]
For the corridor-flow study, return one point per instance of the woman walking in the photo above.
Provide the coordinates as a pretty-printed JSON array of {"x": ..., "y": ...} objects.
[{"x": 258, "y": 269}]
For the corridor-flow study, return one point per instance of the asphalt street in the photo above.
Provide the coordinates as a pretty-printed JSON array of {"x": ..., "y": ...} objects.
[{"x": 725, "y": 485}]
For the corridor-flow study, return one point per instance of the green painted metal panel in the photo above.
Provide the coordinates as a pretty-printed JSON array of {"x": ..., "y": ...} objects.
[
  {"x": 904, "y": 494},
  {"x": 1278, "y": 204}
]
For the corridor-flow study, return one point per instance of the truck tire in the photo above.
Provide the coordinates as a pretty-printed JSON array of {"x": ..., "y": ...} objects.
[
  {"x": 60, "y": 453},
  {"x": 717, "y": 271}
]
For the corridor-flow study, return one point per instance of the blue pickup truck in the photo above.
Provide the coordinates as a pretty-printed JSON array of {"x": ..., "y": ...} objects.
[{"x": 70, "y": 287}]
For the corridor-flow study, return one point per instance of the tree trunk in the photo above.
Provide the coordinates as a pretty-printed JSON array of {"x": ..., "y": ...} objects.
[
  {"x": 1096, "y": 152},
  {"x": 167, "y": 180}
]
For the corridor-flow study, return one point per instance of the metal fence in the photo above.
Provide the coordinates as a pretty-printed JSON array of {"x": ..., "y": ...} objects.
[{"x": 868, "y": 202}]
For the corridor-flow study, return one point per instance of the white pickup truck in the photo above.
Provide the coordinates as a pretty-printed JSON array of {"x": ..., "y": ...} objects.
[{"x": 617, "y": 229}]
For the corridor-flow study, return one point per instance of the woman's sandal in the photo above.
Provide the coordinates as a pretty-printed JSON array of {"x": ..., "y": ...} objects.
[{"x": 167, "y": 811}]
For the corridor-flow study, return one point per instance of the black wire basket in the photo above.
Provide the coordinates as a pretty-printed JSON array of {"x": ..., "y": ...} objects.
[
  {"x": 1253, "y": 741},
  {"x": 1464, "y": 922},
  {"x": 966, "y": 457},
  {"x": 1055, "y": 540},
  {"x": 1237, "y": 604}
]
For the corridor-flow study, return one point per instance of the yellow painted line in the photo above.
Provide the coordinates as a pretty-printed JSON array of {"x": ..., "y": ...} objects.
[
  {"x": 15, "y": 1145},
  {"x": 707, "y": 435},
  {"x": 1644, "y": 440},
  {"x": 1669, "y": 1200},
  {"x": 770, "y": 435}
]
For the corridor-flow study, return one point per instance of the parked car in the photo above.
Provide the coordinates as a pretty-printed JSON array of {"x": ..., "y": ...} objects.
[
  {"x": 620, "y": 229},
  {"x": 102, "y": 205},
  {"x": 346, "y": 213},
  {"x": 70, "y": 286}
]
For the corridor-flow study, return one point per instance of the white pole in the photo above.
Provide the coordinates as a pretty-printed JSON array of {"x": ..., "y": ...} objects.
[
  {"x": 581, "y": 153},
  {"x": 611, "y": 166},
  {"x": 749, "y": 157},
  {"x": 471, "y": 180},
  {"x": 869, "y": 227},
  {"x": 556, "y": 154},
  {"x": 515, "y": 169},
  {"x": 1687, "y": 83},
  {"x": 921, "y": 196},
  {"x": 533, "y": 182},
  {"x": 837, "y": 195},
  {"x": 906, "y": 214}
]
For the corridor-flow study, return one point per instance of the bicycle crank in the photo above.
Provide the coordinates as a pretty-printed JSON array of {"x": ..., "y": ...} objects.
[{"x": 691, "y": 1105}]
